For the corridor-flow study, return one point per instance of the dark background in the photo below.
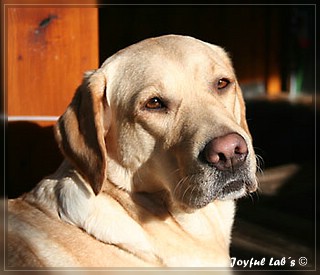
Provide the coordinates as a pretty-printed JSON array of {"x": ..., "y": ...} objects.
[{"x": 263, "y": 40}]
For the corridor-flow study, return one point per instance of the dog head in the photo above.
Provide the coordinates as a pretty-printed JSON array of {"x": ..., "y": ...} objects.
[{"x": 163, "y": 114}]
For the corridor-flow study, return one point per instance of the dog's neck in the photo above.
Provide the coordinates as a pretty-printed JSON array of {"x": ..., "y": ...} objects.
[{"x": 108, "y": 215}]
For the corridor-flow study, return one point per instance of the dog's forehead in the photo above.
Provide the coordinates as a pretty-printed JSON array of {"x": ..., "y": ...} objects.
[
  {"x": 166, "y": 59},
  {"x": 170, "y": 49}
]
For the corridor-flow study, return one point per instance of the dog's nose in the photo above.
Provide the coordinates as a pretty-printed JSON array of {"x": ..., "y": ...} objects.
[{"x": 226, "y": 152}]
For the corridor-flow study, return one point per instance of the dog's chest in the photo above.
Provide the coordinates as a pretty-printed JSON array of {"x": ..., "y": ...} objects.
[
  {"x": 190, "y": 240},
  {"x": 150, "y": 231}
]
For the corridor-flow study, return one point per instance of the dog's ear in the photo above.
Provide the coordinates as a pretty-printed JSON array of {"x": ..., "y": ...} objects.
[
  {"x": 81, "y": 130},
  {"x": 239, "y": 105},
  {"x": 240, "y": 109}
]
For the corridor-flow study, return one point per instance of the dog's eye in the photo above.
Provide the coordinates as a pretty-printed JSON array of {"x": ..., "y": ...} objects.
[
  {"x": 155, "y": 103},
  {"x": 223, "y": 83}
]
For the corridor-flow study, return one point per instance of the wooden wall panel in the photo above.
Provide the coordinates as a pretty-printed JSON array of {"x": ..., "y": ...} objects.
[{"x": 48, "y": 49}]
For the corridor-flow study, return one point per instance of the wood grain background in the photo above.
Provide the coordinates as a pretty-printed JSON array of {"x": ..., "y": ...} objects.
[{"x": 48, "y": 51}]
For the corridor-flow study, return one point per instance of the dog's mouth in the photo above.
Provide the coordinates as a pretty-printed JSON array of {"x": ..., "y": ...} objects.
[
  {"x": 203, "y": 191},
  {"x": 232, "y": 190},
  {"x": 233, "y": 186}
]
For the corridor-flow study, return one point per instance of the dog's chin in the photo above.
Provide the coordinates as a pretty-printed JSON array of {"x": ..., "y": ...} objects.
[
  {"x": 233, "y": 190},
  {"x": 230, "y": 191}
]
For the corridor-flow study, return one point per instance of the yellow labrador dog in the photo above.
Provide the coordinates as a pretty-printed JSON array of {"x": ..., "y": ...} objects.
[{"x": 156, "y": 150}]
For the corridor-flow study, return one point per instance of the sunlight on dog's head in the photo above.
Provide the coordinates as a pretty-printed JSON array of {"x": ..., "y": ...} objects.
[{"x": 164, "y": 114}]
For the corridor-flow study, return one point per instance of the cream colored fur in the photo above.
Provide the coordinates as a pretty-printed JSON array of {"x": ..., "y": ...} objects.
[{"x": 129, "y": 190}]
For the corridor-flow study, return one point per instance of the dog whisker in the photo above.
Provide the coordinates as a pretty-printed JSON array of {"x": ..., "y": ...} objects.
[
  {"x": 178, "y": 185},
  {"x": 260, "y": 163},
  {"x": 175, "y": 171},
  {"x": 194, "y": 198},
  {"x": 187, "y": 189}
]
